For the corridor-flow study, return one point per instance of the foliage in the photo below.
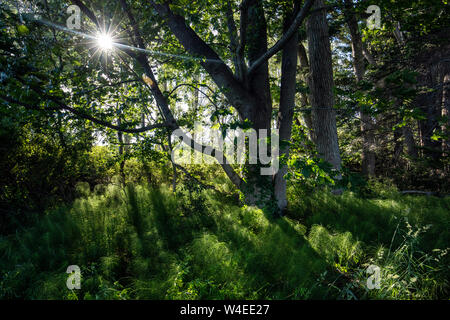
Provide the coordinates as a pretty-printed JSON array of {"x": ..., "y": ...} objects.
[
  {"x": 141, "y": 243},
  {"x": 83, "y": 182}
]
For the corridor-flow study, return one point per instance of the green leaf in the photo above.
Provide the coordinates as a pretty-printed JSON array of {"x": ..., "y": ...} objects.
[{"x": 23, "y": 30}]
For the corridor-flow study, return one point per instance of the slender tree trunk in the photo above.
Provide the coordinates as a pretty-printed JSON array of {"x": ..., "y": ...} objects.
[
  {"x": 446, "y": 113},
  {"x": 409, "y": 142},
  {"x": 408, "y": 135},
  {"x": 174, "y": 167},
  {"x": 322, "y": 98},
  {"x": 368, "y": 154},
  {"x": 304, "y": 99},
  {"x": 121, "y": 152},
  {"x": 398, "y": 144},
  {"x": 286, "y": 113},
  {"x": 428, "y": 102}
]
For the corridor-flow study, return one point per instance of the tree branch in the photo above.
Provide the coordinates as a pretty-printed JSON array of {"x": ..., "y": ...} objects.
[
  {"x": 238, "y": 58},
  {"x": 107, "y": 85},
  {"x": 217, "y": 154},
  {"x": 286, "y": 37},
  {"x": 87, "y": 12},
  {"x": 216, "y": 68},
  {"x": 221, "y": 71},
  {"x": 81, "y": 114},
  {"x": 195, "y": 88}
]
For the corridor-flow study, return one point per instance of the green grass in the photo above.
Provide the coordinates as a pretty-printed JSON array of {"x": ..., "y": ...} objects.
[{"x": 141, "y": 243}]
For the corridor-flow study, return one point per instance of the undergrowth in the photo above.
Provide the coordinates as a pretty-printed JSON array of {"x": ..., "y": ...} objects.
[{"x": 136, "y": 242}]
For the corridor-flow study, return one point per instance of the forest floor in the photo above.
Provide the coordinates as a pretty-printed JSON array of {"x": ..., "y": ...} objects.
[{"x": 142, "y": 243}]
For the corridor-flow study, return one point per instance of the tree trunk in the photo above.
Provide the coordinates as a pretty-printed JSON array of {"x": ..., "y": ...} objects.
[
  {"x": 398, "y": 144},
  {"x": 258, "y": 190},
  {"x": 434, "y": 67},
  {"x": 121, "y": 152},
  {"x": 322, "y": 98},
  {"x": 368, "y": 154},
  {"x": 304, "y": 99},
  {"x": 250, "y": 94},
  {"x": 409, "y": 142},
  {"x": 286, "y": 113},
  {"x": 446, "y": 114}
]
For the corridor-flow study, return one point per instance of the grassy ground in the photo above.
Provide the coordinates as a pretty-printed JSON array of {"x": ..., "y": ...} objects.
[{"x": 137, "y": 243}]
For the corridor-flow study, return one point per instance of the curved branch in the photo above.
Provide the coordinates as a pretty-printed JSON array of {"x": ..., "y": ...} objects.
[
  {"x": 213, "y": 152},
  {"x": 81, "y": 114},
  {"x": 216, "y": 68},
  {"x": 286, "y": 37},
  {"x": 87, "y": 12},
  {"x": 190, "y": 40},
  {"x": 194, "y": 87},
  {"x": 107, "y": 85}
]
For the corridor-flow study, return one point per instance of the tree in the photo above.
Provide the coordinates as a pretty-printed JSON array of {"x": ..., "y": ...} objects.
[
  {"x": 367, "y": 127},
  {"x": 322, "y": 95},
  {"x": 247, "y": 88},
  {"x": 249, "y": 91}
]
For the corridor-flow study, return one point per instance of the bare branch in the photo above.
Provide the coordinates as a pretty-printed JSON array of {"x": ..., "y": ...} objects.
[{"x": 217, "y": 154}]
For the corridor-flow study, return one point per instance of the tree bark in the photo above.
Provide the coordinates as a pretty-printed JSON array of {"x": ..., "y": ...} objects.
[
  {"x": 286, "y": 113},
  {"x": 446, "y": 114},
  {"x": 304, "y": 97},
  {"x": 258, "y": 83},
  {"x": 409, "y": 142}
]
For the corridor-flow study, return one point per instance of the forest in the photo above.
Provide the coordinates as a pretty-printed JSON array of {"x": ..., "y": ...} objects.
[{"x": 225, "y": 150}]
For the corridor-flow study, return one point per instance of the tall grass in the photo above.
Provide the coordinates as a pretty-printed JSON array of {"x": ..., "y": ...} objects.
[{"x": 136, "y": 242}]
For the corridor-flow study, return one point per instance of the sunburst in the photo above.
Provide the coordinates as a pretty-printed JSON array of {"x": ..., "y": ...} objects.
[{"x": 104, "y": 41}]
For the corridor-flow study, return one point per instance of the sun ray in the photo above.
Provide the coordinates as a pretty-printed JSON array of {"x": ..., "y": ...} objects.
[
  {"x": 92, "y": 40},
  {"x": 105, "y": 41}
]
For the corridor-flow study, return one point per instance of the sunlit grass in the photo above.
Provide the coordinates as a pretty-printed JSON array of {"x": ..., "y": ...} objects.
[{"x": 139, "y": 243}]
